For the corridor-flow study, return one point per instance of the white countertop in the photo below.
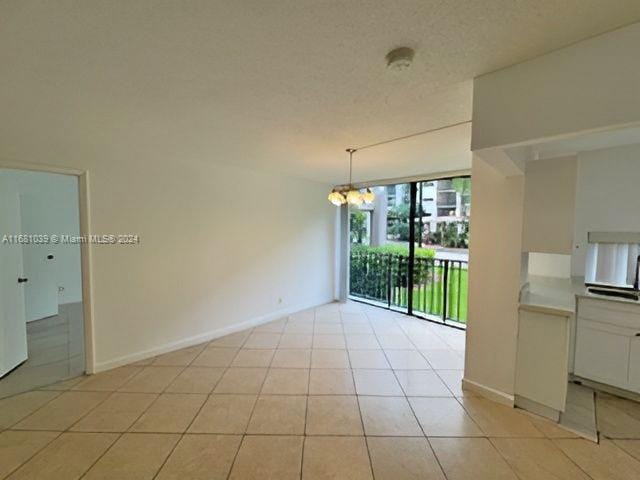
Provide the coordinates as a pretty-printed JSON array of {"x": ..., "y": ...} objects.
[{"x": 556, "y": 296}]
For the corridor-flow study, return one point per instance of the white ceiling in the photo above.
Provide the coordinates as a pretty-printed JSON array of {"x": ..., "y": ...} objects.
[{"x": 282, "y": 85}]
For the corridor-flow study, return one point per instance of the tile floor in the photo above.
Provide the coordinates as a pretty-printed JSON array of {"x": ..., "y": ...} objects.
[
  {"x": 617, "y": 418},
  {"x": 56, "y": 351},
  {"x": 580, "y": 411},
  {"x": 339, "y": 392},
  {"x": 595, "y": 413}
]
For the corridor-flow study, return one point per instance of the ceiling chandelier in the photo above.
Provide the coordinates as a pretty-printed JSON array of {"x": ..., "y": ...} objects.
[{"x": 348, "y": 193}]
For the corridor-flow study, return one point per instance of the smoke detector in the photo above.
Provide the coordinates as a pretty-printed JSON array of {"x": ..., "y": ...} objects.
[{"x": 400, "y": 58}]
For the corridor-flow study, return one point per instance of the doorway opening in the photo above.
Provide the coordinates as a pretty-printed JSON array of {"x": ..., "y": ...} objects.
[
  {"x": 409, "y": 249},
  {"x": 42, "y": 324}
]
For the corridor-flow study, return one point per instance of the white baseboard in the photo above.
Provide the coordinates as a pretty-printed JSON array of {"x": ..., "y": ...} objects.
[
  {"x": 196, "y": 339},
  {"x": 488, "y": 392}
]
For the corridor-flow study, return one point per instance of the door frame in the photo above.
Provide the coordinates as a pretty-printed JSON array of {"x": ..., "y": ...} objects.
[{"x": 85, "y": 248}]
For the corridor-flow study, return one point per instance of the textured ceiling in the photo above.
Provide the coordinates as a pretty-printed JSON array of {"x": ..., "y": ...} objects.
[{"x": 282, "y": 85}]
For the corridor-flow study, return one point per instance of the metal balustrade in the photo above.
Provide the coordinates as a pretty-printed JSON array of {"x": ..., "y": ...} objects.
[{"x": 439, "y": 286}]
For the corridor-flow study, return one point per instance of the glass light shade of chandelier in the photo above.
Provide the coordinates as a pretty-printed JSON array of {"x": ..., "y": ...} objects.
[
  {"x": 349, "y": 194},
  {"x": 354, "y": 197},
  {"x": 337, "y": 198},
  {"x": 368, "y": 196}
]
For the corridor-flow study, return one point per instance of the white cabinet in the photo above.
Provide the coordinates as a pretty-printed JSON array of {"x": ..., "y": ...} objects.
[
  {"x": 607, "y": 346},
  {"x": 542, "y": 361},
  {"x": 602, "y": 353}
]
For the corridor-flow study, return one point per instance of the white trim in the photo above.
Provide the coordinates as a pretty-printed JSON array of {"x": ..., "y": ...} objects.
[
  {"x": 195, "y": 340},
  {"x": 40, "y": 167},
  {"x": 84, "y": 208},
  {"x": 488, "y": 392}
]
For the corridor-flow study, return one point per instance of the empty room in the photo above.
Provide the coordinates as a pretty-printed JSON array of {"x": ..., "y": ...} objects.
[{"x": 392, "y": 240}]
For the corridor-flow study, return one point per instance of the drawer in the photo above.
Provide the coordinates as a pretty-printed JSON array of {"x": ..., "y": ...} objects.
[
  {"x": 606, "y": 327},
  {"x": 602, "y": 354},
  {"x": 614, "y": 313}
]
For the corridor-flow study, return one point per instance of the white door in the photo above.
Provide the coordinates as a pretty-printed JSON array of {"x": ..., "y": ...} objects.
[
  {"x": 13, "y": 327},
  {"x": 41, "y": 291}
]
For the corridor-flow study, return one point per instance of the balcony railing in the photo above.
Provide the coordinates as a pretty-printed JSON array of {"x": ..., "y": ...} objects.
[{"x": 439, "y": 286}]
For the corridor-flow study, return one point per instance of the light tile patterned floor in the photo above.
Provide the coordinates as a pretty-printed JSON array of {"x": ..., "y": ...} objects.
[
  {"x": 339, "y": 392},
  {"x": 56, "y": 351}
]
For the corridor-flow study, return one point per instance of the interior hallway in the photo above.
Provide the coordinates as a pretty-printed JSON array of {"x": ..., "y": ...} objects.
[{"x": 342, "y": 391}]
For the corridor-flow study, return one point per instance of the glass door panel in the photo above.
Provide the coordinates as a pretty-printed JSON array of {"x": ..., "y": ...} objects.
[
  {"x": 379, "y": 259},
  {"x": 441, "y": 254}
]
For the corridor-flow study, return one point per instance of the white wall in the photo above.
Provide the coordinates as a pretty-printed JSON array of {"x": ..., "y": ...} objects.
[
  {"x": 57, "y": 199},
  {"x": 494, "y": 277},
  {"x": 590, "y": 85},
  {"x": 549, "y": 265},
  {"x": 219, "y": 246},
  {"x": 607, "y": 196}
]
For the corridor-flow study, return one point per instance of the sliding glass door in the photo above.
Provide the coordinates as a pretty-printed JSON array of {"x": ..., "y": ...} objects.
[
  {"x": 409, "y": 249},
  {"x": 379, "y": 258}
]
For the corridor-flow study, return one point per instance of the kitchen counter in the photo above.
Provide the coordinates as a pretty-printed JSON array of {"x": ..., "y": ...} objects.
[{"x": 555, "y": 296}]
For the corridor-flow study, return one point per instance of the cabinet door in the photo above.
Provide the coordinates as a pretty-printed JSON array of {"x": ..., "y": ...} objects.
[
  {"x": 542, "y": 359},
  {"x": 634, "y": 365},
  {"x": 602, "y": 355}
]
